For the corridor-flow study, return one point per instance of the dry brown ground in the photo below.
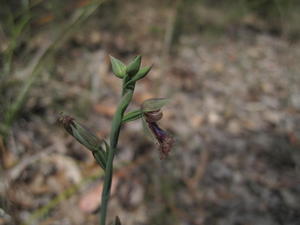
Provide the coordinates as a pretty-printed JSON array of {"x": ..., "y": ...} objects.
[{"x": 234, "y": 111}]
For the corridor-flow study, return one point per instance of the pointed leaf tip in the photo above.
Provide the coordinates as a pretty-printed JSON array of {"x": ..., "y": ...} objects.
[
  {"x": 134, "y": 66},
  {"x": 117, "y": 221},
  {"x": 118, "y": 67}
]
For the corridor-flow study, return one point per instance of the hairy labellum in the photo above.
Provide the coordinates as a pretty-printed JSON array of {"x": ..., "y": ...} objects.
[
  {"x": 152, "y": 114},
  {"x": 164, "y": 139}
]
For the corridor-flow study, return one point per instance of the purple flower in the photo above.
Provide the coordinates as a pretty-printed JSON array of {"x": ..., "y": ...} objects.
[
  {"x": 151, "y": 115},
  {"x": 164, "y": 139}
]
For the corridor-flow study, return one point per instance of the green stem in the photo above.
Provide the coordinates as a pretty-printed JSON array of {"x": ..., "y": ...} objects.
[{"x": 114, "y": 136}]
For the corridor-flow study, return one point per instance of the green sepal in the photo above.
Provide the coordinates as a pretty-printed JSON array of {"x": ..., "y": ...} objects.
[
  {"x": 131, "y": 116},
  {"x": 118, "y": 68},
  {"x": 134, "y": 66},
  {"x": 154, "y": 104},
  {"x": 140, "y": 74}
]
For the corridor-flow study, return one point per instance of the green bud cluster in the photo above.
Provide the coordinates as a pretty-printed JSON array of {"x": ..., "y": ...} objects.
[{"x": 132, "y": 72}]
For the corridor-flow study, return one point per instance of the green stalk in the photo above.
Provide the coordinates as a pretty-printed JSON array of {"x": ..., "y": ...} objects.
[{"x": 114, "y": 136}]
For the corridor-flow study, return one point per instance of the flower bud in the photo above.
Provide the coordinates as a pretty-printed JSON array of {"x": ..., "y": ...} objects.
[{"x": 134, "y": 66}]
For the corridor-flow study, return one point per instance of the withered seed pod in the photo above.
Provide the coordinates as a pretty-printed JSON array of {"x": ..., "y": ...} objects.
[{"x": 66, "y": 121}]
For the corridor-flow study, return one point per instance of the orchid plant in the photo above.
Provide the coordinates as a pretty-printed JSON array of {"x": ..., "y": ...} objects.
[{"x": 103, "y": 152}]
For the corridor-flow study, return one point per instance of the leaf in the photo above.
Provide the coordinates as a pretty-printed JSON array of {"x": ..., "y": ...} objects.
[
  {"x": 134, "y": 66},
  {"x": 154, "y": 104},
  {"x": 118, "y": 68},
  {"x": 131, "y": 116},
  {"x": 141, "y": 74}
]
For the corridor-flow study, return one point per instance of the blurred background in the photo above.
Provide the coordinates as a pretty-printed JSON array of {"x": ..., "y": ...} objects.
[{"x": 231, "y": 71}]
